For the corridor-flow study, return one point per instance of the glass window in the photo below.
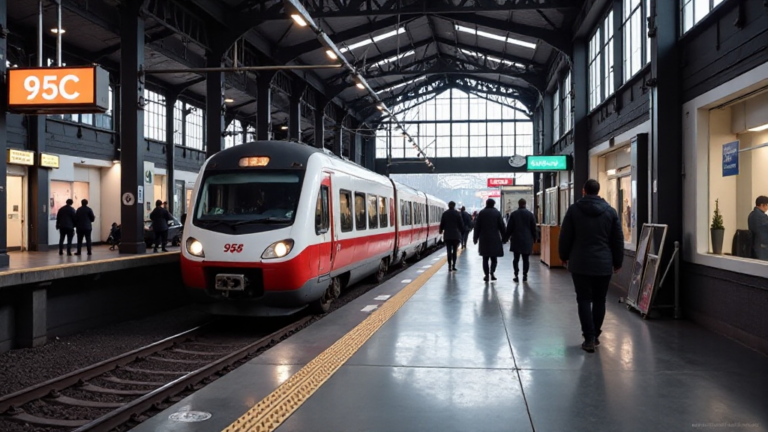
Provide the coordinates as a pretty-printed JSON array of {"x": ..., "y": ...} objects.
[
  {"x": 322, "y": 219},
  {"x": 359, "y": 211},
  {"x": 194, "y": 125},
  {"x": 234, "y": 134},
  {"x": 633, "y": 27},
  {"x": 383, "y": 212},
  {"x": 566, "y": 105},
  {"x": 556, "y": 115},
  {"x": 345, "y": 207},
  {"x": 373, "y": 216},
  {"x": 608, "y": 80},
  {"x": 693, "y": 11},
  {"x": 595, "y": 79},
  {"x": 615, "y": 177},
  {"x": 154, "y": 116}
]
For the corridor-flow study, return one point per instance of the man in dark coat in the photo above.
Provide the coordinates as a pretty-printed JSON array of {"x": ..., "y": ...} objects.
[
  {"x": 467, "y": 220},
  {"x": 160, "y": 218},
  {"x": 489, "y": 230},
  {"x": 521, "y": 230},
  {"x": 758, "y": 226},
  {"x": 65, "y": 223},
  {"x": 84, "y": 218},
  {"x": 591, "y": 247}
]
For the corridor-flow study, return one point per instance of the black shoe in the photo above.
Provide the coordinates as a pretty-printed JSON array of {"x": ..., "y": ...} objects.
[
  {"x": 597, "y": 342},
  {"x": 89, "y": 254},
  {"x": 493, "y": 276},
  {"x": 588, "y": 345},
  {"x": 516, "y": 279},
  {"x": 61, "y": 253},
  {"x": 525, "y": 278},
  {"x": 69, "y": 253},
  {"x": 77, "y": 253},
  {"x": 485, "y": 278}
]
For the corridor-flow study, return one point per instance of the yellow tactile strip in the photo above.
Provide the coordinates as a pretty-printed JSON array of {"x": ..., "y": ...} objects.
[{"x": 274, "y": 409}]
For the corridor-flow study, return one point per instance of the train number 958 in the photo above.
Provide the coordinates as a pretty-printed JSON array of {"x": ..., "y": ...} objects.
[{"x": 233, "y": 248}]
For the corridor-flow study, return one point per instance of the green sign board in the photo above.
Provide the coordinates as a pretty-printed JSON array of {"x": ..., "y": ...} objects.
[{"x": 548, "y": 163}]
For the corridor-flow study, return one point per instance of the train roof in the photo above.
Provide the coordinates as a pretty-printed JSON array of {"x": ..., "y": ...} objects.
[{"x": 282, "y": 155}]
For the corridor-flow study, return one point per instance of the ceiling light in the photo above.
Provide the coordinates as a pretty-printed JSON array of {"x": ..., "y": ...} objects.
[
  {"x": 371, "y": 40},
  {"x": 299, "y": 20},
  {"x": 228, "y": 100},
  {"x": 284, "y": 127},
  {"x": 759, "y": 128},
  {"x": 56, "y": 31},
  {"x": 611, "y": 172},
  {"x": 331, "y": 54},
  {"x": 360, "y": 85},
  {"x": 496, "y": 37},
  {"x": 393, "y": 58},
  {"x": 380, "y": 107}
]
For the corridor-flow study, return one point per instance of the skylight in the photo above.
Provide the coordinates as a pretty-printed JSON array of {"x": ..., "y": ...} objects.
[
  {"x": 497, "y": 60},
  {"x": 494, "y": 36},
  {"x": 401, "y": 84},
  {"x": 393, "y": 58},
  {"x": 373, "y": 39}
]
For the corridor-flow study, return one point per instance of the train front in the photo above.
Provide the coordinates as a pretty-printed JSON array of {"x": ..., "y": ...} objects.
[{"x": 243, "y": 251}]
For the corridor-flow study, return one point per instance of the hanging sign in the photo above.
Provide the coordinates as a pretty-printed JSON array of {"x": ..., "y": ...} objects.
[
  {"x": 49, "y": 160},
  {"x": 731, "y": 159},
  {"x": 20, "y": 157},
  {"x": 495, "y": 182},
  {"x": 58, "y": 90},
  {"x": 548, "y": 163}
]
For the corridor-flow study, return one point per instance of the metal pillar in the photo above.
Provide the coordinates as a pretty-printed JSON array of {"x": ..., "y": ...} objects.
[
  {"x": 580, "y": 117},
  {"x": 294, "y": 111},
  {"x": 354, "y": 143},
  {"x": 320, "y": 122},
  {"x": 4, "y": 259},
  {"x": 264, "y": 106},
  {"x": 170, "y": 150},
  {"x": 132, "y": 129},
  {"x": 337, "y": 144},
  {"x": 547, "y": 117},
  {"x": 39, "y": 188},
  {"x": 214, "y": 107}
]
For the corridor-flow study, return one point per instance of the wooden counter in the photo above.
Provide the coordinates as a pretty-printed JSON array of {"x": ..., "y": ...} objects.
[{"x": 550, "y": 236}]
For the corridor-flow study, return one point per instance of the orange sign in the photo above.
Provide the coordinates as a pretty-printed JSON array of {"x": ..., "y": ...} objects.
[{"x": 58, "y": 90}]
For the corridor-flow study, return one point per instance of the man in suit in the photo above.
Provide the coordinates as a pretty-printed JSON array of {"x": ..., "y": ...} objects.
[
  {"x": 65, "y": 223},
  {"x": 758, "y": 226},
  {"x": 84, "y": 218},
  {"x": 521, "y": 230},
  {"x": 452, "y": 228},
  {"x": 489, "y": 231}
]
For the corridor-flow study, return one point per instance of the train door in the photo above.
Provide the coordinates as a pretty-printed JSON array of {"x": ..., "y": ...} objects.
[{"x": 324, "y": 226}]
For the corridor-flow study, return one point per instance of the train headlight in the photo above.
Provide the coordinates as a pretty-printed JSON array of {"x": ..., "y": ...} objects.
[
  {"x": 278, "y": 249},
  {"x": 195, "y": 248}
]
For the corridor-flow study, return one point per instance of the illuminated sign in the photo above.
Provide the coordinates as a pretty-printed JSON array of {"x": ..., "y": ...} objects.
[
  {"x": 488, "y": 194},
  {"x": 548, "y": 163},
  {"x": 19, "y": 157},
  {"x": 495, "y": 182},
  {"x": 58, "y": 90},
  {"x": 49, "y": 160},
  {"x": 254, "y": 161}
]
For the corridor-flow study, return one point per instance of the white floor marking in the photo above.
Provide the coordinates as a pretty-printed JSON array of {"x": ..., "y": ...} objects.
[
  {"x": 427, "y": 266},
  {"x": 435, "y": 259},
  {"x": 419, "y": 271},
  {"x": 369, "y": 308},
  {"x": 382, "y": 297},
  {"x": 406, "y": 280}
]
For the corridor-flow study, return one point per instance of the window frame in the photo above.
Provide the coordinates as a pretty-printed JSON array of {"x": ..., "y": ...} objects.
[
  {"x": 351, "y": 226},
  {"x": 373, "y": 219},
  {"x": 383, "y": 216},
  {"x": 324, "y": 207},
  {"x": 364, "y": 217}
]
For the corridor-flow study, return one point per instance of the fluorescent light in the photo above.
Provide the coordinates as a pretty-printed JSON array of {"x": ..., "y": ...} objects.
[
  {"x": 56, "y": 31},
  {"x": 284, "y": 127},
  {"x": 497, "y": 60},
  {"x": 393, "y": 58},
  {"x": 360, "y": 85},
  {"x": 401, "y": 84},
  {"x": 229, "y": 100},
  {"x": 331, "y": 54},
  {"x": 611, "y": 172},
  {"x": 299, "y": 20},
  {"x": 380, "y": 107},
  {"x": 372, "y": 40},
  {"x": 496, "y": 37},
  {"x": 759, "y": 128}
]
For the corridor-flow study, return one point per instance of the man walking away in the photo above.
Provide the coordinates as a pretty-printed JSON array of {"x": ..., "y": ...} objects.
[
  {"x": 160, "y": 218},
  {"x": 521, "y": 229},
  {"x": 84, "y": 218},
  {"x": 591, "y": 247},
  {"x": 466, "y": 218},
  {"x": 65, "y": 223},
  {"x": 489, "y": 230},
  {"x": 758, "y": 226}
]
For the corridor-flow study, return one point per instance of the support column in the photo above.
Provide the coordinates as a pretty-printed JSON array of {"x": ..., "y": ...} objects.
[
  {"x": 547, "y": 118},
  {"x": 39, "y": 188},
  {"x": 264, "y": 106},
  {"x": 4, "y": 259},
  {"x": 170, "y": 150},
  {"x": 354, "y": 143},
  {"x": 580, "y": 118},
  {"x": 320, "y": 122},
  {"x": 337, "y": 144},
  {"x": 214, "y": 106},
  {"x": 294, "y": 111},
  {"x": 131, "y": 129}
]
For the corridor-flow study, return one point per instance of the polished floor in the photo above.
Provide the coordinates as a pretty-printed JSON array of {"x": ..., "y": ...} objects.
[
  {"x": 26, "y": 260},
  {"x": 464, "y": 355}
]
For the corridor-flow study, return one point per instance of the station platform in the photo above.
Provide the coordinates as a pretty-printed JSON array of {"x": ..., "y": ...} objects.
[{"x": 449, "y": 352}]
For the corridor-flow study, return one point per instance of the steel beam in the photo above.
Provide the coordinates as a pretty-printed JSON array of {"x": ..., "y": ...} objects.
[
  {"x": 214, "y": 107},
  {"x": 39, "y": 188},
  {"x": 170, "y": 146},
  {"x": 264, "y": 106},
  {"x": 294, "y": 111},
  {"x": 131, "y": 129}
]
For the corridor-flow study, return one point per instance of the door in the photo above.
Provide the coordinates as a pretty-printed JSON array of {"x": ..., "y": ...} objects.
[
  {"x": 324, "y": 227},
  {"x": 15, "y": 212}
]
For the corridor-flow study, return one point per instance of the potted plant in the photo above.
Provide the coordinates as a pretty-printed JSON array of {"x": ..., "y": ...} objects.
[{"x": 717, "y": 231}]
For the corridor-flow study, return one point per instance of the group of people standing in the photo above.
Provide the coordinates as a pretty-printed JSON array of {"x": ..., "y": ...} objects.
[
  {"x": 591, "y": 246},
  {"x": 68, "y": 219}
]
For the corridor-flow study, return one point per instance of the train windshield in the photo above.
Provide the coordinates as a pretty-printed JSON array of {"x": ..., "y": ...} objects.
[{"x": 248, "y": 198}]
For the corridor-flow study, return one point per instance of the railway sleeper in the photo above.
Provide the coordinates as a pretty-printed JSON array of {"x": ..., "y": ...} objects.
[
  {"x": 43, "y": 421},
  {"x": 66, "y": 400},
  {"x": 97, "y": 389}
]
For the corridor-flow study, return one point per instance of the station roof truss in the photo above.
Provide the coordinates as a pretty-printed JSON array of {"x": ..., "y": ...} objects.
[{"x": 406, "y": 50}]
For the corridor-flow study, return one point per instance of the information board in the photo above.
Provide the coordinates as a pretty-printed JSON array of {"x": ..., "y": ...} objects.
[
  {"x": 58, "y": 90},
  {"x": 548, "y": 163}
]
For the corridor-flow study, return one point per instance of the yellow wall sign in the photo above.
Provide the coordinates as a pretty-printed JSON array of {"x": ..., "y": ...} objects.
[
  {"x": 19, "y": 157},
  {"x": 49, "y": 160}
]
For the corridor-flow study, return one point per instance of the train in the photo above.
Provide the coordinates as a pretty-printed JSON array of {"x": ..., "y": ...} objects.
[{"x": 274, "y": 227}]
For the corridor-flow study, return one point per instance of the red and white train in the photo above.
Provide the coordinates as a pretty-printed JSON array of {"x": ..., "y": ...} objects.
[{"x": 275, "y": 226}]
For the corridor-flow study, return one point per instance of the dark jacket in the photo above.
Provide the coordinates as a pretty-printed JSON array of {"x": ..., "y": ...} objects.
[
  {"x": 83, "y": 218},
  {"x": 451, "y": 225},
  {"x": 467, "y": 219},
  {"x": 160, "y": 218},
  {"x": 521, "y": 230},
  {"x": 65, "y": 218},
  {"x": 758, "y": 226},
  {"x": 591, "y": 239},
  {"x": 489, "y": 231}
]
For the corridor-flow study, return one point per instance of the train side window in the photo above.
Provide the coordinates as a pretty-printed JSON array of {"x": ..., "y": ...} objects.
[
  {"x": 345, "y": 205},
  {"x": 402, "y": 212},
  {"x": 373, "y": 213},
  {"x": 319, "y": 213},
  {"x": 359, "y": 211},
  {"x": 409, "y": 213},
  {"x": 383, "y": 212}
]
